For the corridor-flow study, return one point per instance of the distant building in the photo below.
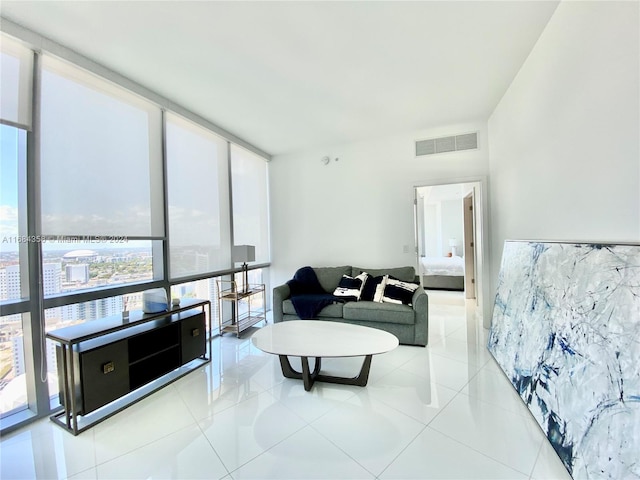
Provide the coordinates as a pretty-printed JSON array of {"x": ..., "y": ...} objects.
[
  {"x": 51, "y": 273},
  {"x": 77, "y": 272},
  {"x": 10, "y": 283},
  {"x": 19, "y": 366},
  {"x": 86, "y": 256},
  {"x": 18, "y": 356},
  {"x": 10, "y": 280}
]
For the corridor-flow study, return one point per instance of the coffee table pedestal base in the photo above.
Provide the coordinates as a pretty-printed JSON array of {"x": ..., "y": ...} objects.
[{"x": 309, "y": 377}]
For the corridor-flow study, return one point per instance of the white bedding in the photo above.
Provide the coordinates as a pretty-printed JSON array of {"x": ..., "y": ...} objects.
[{"x": 449, "y": 266}]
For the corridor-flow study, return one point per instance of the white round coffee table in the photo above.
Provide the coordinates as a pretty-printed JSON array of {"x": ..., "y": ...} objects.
[{"x": 317, "y": 339}]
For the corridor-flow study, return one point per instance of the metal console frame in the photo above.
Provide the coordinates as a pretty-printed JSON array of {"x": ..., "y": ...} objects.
[{"x": 70, "y": 422}]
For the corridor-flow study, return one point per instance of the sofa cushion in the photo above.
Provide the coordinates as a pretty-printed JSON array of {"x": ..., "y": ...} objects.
[
  {"x": 379, "y": 312},
  {"x": 406, "y": 274},
  {"x": 332, "y": 311},
  {"x": 329, "y": 277}
]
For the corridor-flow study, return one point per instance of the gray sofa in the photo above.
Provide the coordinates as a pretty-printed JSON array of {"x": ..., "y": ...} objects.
[{"x": 410, "y": 323}]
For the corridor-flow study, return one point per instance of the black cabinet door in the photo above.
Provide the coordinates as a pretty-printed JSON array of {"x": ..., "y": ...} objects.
[
  {"x": 105, "y": 375},
  {"x": 193, "y": 335}
]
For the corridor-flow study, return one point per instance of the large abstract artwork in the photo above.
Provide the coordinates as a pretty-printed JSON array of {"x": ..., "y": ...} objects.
[{"x": 566, "y": 332}]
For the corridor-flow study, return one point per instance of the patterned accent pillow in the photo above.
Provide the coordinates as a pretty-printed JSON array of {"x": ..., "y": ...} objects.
[
  {"x": 397, "y": 291},
  {"x": 350, "y": 288},
  {"x": 380, "y": 288},
  {"x": 370, "y": 286}
]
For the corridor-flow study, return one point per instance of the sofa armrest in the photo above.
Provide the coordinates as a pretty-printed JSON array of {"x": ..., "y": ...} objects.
[
  {"x": 280, "y": 294},
  {"x": 420, "y": 303}
]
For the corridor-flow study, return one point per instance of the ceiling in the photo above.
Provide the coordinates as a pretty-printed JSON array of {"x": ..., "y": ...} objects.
[{"x": 288, "y": 76}]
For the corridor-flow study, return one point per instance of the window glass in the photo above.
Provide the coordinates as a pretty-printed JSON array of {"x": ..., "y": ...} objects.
[
  {"x": 206, "y": 289},
  {"x": 255, "y": 302},
  {"x": 101, "y": 167},
  {"x": 13, "y": 214},
  {"x": 13, "y": 383},
  {"x": 198, "y": 198},
  {"x": 77, "y": 313},
  {"x": 250, "y": 187},
  {"x": 69, "y": 267}
]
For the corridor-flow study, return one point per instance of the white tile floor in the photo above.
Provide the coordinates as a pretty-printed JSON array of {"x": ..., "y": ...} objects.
[{"x": 445, "y": 411}]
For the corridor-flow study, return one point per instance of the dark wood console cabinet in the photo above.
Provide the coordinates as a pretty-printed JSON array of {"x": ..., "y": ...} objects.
[{"x": 102, "y": 361}]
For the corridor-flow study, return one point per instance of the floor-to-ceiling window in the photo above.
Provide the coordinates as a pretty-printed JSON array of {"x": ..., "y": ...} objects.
[
  {"x": 13, "y": 268},
  {"x": 108, "y": 194},
  {"x": 16, "y": 73},
  {"x": 198, "y": 202},
  {"x": 250, "y": 186}
]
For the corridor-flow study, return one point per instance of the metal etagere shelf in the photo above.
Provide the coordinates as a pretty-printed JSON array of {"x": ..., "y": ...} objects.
[{"x": 247, "y": 305}]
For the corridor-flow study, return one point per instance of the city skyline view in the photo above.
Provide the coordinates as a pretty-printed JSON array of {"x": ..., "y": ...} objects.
[{"x": 64, "y": 270}]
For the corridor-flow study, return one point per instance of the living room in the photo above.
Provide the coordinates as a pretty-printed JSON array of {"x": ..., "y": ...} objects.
[{"x": 557, "y": 158}]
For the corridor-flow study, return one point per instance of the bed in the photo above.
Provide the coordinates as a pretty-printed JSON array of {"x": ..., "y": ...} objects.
[{"x": 442, "y": 273}]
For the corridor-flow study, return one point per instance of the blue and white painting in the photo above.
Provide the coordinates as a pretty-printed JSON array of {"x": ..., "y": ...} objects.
[{"x": 566, "y": 332}]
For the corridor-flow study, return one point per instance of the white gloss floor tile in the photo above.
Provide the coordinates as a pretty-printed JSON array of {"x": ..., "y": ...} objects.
[
  {"x": 461, "y": 350},
  {"x": 512, "y": 439},
  {"x": 408, "y": 393},
  {"x": 311, "y": 405},
  {"x": 369, "y": 431},
  {"x": 493, "y": 387},
  {"x": 452, "y": 374},
  {"x": 182, "y": 454},
  {"x": 247, "y": 429},
  {"x": 444, "y": 411},
  {"x": 152, "y": 418},
  {"x": 305, "y": 454},
  {"x": 46, "y": 451},
  {"x": 435, "y": 456},
  {"x": 549, "y": 466}
]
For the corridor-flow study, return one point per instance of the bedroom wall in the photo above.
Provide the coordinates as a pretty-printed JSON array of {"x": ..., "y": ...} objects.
[
  {"x": 431, "y": 226},
  {"x": 451, "y": 226},
  {"x": 358, "y": 210},
  {"x": 564, "y": 139}
]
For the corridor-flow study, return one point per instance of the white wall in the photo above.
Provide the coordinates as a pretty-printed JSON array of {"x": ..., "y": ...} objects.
[
  {"x": 358, "y": 210},
  {"x": 564, "y": 139},
  {"x": 431, "y": 226},
  {"x": 452, "y": 226}
]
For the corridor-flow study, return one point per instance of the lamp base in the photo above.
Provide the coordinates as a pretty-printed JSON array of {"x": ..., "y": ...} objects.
[{"x": 245, "y": 278}]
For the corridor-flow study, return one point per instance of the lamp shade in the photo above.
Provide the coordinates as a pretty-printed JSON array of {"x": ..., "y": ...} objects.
[
  {"x": 244, "y": 253},
  {"x": 453, "y": 242}
]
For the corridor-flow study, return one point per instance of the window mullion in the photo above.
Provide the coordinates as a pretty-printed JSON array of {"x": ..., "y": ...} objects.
[{"x": 37, "y": 387}]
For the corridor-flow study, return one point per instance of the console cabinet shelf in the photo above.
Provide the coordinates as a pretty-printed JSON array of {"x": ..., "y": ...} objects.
[{"x": 102, "y": 361}]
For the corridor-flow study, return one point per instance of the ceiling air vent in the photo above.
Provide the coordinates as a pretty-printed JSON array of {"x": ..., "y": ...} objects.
[{"x": 467, "y": 141}]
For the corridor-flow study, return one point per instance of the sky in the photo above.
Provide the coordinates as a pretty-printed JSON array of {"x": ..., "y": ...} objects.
[
  {"x": 8, "y": 166},
  {"x": 9, "y": 185}
]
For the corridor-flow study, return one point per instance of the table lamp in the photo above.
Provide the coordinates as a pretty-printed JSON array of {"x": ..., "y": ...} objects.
[
  {"x": 244, "y": 254},
  {"x": 453, "y": 243}
]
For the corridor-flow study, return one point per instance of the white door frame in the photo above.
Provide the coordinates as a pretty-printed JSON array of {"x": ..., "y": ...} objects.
[
  {"x": 481, "y": 233},
  {"x": 469, "y": 247}
]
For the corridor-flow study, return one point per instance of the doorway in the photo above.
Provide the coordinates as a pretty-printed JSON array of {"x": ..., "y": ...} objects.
[{"x": 449, "y": 237}]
